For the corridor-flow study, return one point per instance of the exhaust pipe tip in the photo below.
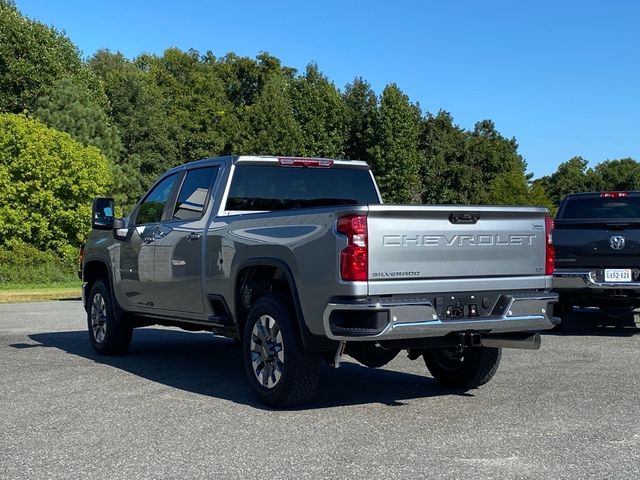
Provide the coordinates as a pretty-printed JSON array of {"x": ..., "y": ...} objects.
[{"x": 529, "y": 341}]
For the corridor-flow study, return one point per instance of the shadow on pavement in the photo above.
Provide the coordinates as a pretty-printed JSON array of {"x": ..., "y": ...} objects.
[
  {"x": 208, "y": 365},
  {"x": 593, "y": 321}
]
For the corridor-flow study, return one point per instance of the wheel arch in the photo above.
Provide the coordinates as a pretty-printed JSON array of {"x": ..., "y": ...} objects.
[
  {"x": 95, "y": 269},
  {"x": 272, "y": 269}
]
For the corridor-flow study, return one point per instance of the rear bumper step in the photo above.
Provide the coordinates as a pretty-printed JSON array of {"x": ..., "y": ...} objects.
[{"x": 419, "y": 319}]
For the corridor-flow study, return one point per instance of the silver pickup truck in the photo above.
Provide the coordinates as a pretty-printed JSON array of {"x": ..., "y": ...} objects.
[{"x": 300, "y": 262}]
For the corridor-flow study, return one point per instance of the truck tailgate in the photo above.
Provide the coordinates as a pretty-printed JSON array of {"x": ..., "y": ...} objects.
[
  {"x": 585, "y": 244},
  {"x": 451, "y": 244}
]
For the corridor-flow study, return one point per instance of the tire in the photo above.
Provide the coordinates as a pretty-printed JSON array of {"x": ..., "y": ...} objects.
[
  {"x": 562, "y": 308},
  {"x": 617, "y": 312},
  {"x": 476, "y": 367},
  {"x": 283, "y": 374},
  {"x": 108, "y": 335}
]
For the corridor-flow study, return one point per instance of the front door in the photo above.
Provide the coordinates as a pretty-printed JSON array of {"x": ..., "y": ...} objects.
[
  {"x": 135, "y": 285},
  {"x": 179, "y": 245}
]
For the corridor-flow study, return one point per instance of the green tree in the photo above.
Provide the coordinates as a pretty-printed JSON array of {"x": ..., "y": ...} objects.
[
  {"x": 489, "y": 154},
  {"x": 571, "y": 176},
  {"x": 444, "y": 173},
  {"x": 394, "y": 155},
  {"x": 33, "y": 57},
  {"x": 513, "y": 188},
  {"x": 70, "y": 108},
  {"x": 194, "y": 98},
  {"x": 137, "y": 110},
  {"x": 244, "y": 78},
  {"x": 47, "y": 181},
  {"x": 320, "y": 112},
  {"x": 270, "y": 125},
  {"x": 361, "y": 110},
  {"x": 621, "y": 174}
]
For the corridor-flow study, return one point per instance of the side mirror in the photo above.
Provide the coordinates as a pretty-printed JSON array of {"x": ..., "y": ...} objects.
[
  {"x": 120, "y": 231},
  {"x": 102, "y": 214}
]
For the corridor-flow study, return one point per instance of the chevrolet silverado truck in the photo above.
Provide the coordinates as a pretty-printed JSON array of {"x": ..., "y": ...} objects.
[
  {"x": 298, "y": 260},
  {"x": 597, "y": 247}
]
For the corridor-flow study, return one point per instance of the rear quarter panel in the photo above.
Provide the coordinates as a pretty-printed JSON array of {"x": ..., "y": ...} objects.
[{"x": 304, "y": 240}]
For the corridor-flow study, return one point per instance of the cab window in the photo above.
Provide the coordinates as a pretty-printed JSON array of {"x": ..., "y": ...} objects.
[
  {"x": 193, "y": 195},
  {"x": 262, "y": 187},
  {"x": 152, "y": 207}
]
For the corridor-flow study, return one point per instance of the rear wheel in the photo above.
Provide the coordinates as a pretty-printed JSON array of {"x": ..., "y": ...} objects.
[
  {"x": 463, "y": 369},
  {"x": 108, "y": 335},
  {"x": 617, "y": 312},
  {"x": 562, "y": 308},
  {"x": 280, "y": 371}
]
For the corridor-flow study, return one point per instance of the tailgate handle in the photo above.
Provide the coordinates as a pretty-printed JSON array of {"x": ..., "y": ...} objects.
[{"x": 464, "y": 218}]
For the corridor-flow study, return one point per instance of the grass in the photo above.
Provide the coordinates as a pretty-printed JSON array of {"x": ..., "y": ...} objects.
[{"x": 20, "y": 293}]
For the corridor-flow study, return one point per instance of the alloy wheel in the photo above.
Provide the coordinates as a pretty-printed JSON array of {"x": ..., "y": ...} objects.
[
  {"x": 99, "y": 318},
  {"x": 267, "y": 351}
]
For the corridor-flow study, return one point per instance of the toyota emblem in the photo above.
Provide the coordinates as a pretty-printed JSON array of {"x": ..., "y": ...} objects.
[{"x": 617, "y": 242}]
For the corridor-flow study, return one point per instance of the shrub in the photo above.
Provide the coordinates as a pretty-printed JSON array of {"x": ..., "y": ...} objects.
[
  {"x": 47, "y": 182},
  {"x": 23, "y": 264}
]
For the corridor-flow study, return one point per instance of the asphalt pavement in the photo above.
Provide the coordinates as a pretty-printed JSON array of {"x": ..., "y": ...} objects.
[{"x": 177, "y": 406}]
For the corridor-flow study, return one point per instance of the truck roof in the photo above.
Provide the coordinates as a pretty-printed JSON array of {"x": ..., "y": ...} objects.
[
  {"x": 625, "y": 193},
  {"x": 264, "y": 159}
]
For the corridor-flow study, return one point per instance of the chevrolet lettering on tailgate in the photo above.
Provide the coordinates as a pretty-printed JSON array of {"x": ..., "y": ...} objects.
[{"x": 456, "y": 240}]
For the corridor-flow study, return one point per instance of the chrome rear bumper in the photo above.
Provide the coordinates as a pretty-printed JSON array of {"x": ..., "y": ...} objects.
[
  {"x": 420, "y": 319},
  {"x": 585, "y": 280}
]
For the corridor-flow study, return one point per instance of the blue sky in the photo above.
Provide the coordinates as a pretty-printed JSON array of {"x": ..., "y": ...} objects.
[{"x": 563, "y": 77}]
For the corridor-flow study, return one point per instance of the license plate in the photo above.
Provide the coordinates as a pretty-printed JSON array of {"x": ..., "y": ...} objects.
[{"x": 617, "y": 275}]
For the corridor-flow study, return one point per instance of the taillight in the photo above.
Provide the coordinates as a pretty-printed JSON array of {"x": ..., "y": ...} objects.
[
  {"x": 354, "y": 259},
  {"x": 305, "y": 162},
  {"x": 550, "y": 255},
  {"x": 614, "y": 194}
]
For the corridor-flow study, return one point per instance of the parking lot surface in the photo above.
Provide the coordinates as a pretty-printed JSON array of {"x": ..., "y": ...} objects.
[{"x": 177, "y": 406}]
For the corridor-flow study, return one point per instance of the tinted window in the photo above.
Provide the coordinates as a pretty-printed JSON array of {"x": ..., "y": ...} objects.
[
  {"x": 258, "y": 187},
  {"x": 600, "y": 207},
  {"x": 193, "y": 194},
  {"x": 153, "y": 206}
]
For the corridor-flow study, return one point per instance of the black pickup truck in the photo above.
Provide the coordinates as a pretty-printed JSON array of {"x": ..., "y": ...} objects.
[{"x": 597, "y": 248}]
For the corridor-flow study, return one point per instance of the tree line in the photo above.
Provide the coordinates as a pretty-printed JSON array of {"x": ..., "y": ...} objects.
[{"x": 117, "y": 123}]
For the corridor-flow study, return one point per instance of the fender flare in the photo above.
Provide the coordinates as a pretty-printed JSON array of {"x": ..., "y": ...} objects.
[
  {"x": 306, "y": 335},
  {"x": 114, "y": 301}
]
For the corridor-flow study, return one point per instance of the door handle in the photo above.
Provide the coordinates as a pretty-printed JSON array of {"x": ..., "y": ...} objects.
[
  {"x": 192, "y": 237},
  {"x": 148, "y": 240}
]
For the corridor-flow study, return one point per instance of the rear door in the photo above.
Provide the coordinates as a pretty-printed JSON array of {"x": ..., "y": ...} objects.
[{"x": 179, "y": 245}]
